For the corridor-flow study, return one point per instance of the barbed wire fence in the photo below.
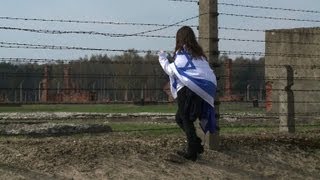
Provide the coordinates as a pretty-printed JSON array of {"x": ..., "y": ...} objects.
[{"x": 140, "y": 80}]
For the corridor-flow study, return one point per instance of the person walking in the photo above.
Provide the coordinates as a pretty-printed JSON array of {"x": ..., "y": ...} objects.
[{"x": 193, "y": 83}]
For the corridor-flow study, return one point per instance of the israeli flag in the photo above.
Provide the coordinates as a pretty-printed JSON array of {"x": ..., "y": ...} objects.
[{"x": 198, "y": 77}]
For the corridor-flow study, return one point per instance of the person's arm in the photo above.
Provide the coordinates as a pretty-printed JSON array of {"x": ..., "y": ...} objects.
[{"x": 165, "y": 64}]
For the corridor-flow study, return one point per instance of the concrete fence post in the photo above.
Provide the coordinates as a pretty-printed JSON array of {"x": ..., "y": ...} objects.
[
  {"x": 286, "y": 102},
  {"x": 208, "y": 39}
]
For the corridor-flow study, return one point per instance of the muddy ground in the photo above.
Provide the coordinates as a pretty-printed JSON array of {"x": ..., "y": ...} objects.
[
  {"x": 139, "y": 156},
  {"x": 143, "y": 155}
]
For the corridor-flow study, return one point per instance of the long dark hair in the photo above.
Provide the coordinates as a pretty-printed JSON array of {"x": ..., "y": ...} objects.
[{"x": 185, "y": 38}]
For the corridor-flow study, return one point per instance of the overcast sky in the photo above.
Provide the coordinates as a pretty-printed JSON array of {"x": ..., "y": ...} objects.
[{"x": 136, "y": 11}]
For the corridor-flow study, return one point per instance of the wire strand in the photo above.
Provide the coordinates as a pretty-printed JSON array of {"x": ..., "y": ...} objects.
[
  {"x": 267, "y": 17},
  {"x": 255, "y": 7},
  {"x": 269, "y": 8},
  {"x": 85, "y": 22}
]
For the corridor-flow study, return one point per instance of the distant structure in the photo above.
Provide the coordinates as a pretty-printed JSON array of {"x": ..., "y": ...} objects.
[
  {"x": 292, "y": 70},
  {"x": 70, "y": 92},
  {"x": 228, "y": 96},
  {"x": 166, "y": 89}
]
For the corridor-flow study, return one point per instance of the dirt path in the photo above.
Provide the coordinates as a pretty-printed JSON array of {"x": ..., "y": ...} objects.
[{"x": 138, "y": 156}]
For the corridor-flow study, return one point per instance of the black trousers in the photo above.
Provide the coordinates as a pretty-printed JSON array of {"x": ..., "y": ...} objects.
[{"x": 189, "y": 109}]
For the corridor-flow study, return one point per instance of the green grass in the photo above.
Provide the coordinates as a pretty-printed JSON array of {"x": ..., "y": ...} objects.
[
  {"x": 240, "y": 107},
  {"x": 163, "y": 129},
  {"x": 123, "y": 108},
  {"x": 172, "y": 128},
  {"x": 109, "y": 108}
]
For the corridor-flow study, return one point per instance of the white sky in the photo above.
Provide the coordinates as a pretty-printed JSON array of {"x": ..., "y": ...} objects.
[{"x": 137, "y": 11}]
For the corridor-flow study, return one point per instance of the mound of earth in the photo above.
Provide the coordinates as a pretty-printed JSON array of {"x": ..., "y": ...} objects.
[{"x": 120, "y": 155}]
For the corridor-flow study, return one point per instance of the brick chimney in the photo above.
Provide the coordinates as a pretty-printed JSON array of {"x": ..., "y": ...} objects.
[
  {"x": 228, "y": 74},
  {"x": 45, "y": 85},
  {"x": 268, "y": 96},
  {"x": 66, "y": 80}
]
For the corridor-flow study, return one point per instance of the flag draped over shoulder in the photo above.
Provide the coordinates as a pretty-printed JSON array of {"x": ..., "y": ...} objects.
[{"x": 200, "y": 78}]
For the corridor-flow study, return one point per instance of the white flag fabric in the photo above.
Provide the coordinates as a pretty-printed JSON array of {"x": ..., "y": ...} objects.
[{"x": 197, "y": 75}]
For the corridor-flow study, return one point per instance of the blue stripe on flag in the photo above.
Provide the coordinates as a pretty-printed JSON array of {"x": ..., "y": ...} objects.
[
  {"x": 208, "y": 120},
  {"x": 207, "y": 86}
]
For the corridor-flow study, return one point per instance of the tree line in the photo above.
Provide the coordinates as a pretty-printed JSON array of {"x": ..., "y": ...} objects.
[{"x": 117, "y": 78}]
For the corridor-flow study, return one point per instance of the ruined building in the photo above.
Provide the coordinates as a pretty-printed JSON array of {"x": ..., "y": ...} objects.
[
  {"x": 292, "y": 70},
  {"x": 69, "y": 93},
  {"x": 228, "y": 94}
]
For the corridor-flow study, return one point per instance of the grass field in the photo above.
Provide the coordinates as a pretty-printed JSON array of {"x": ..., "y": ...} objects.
[
  {"x": 99, "y": 108},
  {"x": 121, "y": 108},
  {"x": 139, "y": 147}
]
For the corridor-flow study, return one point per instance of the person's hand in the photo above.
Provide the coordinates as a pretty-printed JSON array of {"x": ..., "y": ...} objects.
[{"x": 162, "y": 54}]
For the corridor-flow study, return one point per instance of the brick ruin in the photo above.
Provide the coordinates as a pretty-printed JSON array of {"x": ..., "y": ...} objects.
[
  {"x": 293, "y": 74},
  {"x": 228, "y": 95},
  {"x": 268, "y": 96},
  {"x": 166, "y": 89},
  {"x": 70, "y": 93}
]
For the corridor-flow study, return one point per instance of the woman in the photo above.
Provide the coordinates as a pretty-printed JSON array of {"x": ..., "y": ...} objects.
[{"x": 193, "y": 83}]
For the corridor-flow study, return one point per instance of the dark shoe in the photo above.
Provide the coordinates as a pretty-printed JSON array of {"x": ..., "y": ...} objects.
[
  {"x": 183, "y": 152},
  {"x": 200, "y": 149},
  {"x": 190, "y": 156}
]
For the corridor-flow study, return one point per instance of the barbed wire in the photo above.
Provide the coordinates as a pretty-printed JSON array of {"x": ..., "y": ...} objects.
[
  {"x": 163, "y": 26},
  {"x": 276, "y": 78},
  {"x": 166, "y": 27},
  {"x": 54, "y": 47},
  {"x": 87, "y": 22},
  {"x": 45, "y": 31},
  {"x": 266, "y": 41},
  {"x": 273, "y": 89},
  {"x": 255, "y": 7},
  {"x": 257, "y": 53},
  {"x": 36, "y": 60},
  {"x": 83, "y": 75},
  {"x": 269, "y": 8},
  {"x": 234, "y": 64},
  {"x": 282, "y": 78},
  {"x": 159, "y": 77},
  {"x": 150, "y": 88},
  {"x": 184, "y": 1},
  {"x": 160, "y": 102},
  {"x": 281, "y": 31},
  {"x": 268, "y": 17},
  {"x": 115, "y": 35},
  {"x": 143, "y": 35},
  {"x": 133, "y": 75}
]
